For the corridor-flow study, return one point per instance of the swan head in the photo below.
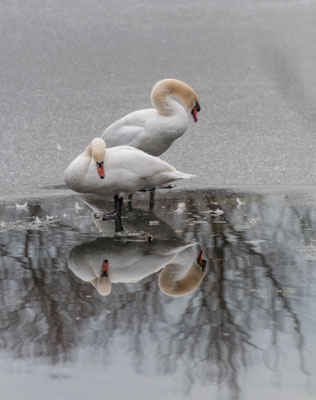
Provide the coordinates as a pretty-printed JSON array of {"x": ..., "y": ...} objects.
[
  {"x": 103, "y": 283},
  {"x": 103, "y": 286},
  {"x": 189, "y": 98},
  {"x": 180, "y": 89},
  {"x": 98, "y": 154},
  {"x": 191, "y": 101}
]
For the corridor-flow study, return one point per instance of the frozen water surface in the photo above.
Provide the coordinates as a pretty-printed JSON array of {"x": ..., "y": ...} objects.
[
  {"x": 247, "y": 330},
  {"x": 69, "y": 69}
]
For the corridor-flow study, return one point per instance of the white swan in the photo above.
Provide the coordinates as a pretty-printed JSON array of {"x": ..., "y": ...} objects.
[
  {"x": 118, "y": 170},
  {"x": 105, "y": 261},
  {"x": 154, "y": 130}
]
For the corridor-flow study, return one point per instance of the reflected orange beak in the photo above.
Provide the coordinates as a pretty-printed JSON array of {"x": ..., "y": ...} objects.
[
  {"x": 100, "y": 167},
  {"x": 200, "y": 260},
  {"x": 105, "y": 269}
]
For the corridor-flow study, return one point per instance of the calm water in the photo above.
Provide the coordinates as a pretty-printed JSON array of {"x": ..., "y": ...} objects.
[{"x": 246, "y": 330}]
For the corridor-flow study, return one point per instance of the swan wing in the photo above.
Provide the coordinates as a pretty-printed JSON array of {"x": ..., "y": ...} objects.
[
  {"x": 130, "y": 169},
  {"x": 124, "y": 136},
  {"x": 129, "y": 130}
]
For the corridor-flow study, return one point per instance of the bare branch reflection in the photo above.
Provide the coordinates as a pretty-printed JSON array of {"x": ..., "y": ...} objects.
[{"x": 256, "y": 292}]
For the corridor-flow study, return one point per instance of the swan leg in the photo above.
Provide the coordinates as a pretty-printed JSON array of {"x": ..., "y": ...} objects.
[
  {"x": 118, "y": 225},
  {"x": 118, "y": 203},
  {"x": 152, "y": 199},
  {"x": 118, "y": 210},
  {"x": 118, "y": 206},
  {"x": 129, "y": 204},
  {"x": 152, "y": 195}
]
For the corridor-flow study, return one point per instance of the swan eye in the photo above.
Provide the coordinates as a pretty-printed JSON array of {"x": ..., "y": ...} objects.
[
  {"x": 100, "y": 164},
  {"x": 197, "y": 105}
]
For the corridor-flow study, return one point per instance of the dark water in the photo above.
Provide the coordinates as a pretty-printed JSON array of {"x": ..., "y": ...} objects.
[{"x": 245, "y": 331}]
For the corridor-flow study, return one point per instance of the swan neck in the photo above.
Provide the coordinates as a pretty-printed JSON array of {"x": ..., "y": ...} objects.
[
  {"x": 160, "y": 96},
  {"x": 172, "y": 287},
  {"x": 88, "y": 151},
  {"x": 76, "y": 171}
]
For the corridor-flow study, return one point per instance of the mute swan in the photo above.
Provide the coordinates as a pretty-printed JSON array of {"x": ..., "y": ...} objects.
[
  {"x": 105, "y": 261},
  {"x": 153, "y": 130},
  {"x": 116, "y": 171}
]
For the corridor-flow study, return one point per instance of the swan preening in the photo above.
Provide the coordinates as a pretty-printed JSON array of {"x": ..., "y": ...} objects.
[
  {"x": 153, "y": 130},
  {"x": 106, "y": 261},
  {"x": 118, "y": 170},
  {"x": 170, "y": 280}
]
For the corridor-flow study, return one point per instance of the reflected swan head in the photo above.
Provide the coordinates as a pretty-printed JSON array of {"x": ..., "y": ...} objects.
[
  {"x": 103, "y": 285},
  {"x": 170, "y": 284}
]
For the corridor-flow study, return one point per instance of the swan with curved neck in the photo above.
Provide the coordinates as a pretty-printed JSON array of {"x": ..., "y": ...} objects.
[
  {"x": 169, "y": 283},
  {"x": 105, "y": 261},
  {"x": 154, "y": 130},
  {"x": 116, "y": 171},
  {"x": 165, "y": 105}
]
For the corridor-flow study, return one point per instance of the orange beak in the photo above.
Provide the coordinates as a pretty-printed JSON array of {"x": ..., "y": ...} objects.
[
  {"x": 100, "y": 167},
  {"x": 195, "y": 110},
  {"x": 194, "y": 114},
  {"x": 105, "y": 269}
]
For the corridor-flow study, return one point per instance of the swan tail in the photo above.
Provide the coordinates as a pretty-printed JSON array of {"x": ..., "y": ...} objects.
[{"x": 182, "y": 175}]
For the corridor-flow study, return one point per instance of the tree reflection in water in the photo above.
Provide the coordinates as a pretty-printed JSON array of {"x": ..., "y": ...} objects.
[
  {"x": 105, "y": 261},
  {"x": 257, "y": 291}
]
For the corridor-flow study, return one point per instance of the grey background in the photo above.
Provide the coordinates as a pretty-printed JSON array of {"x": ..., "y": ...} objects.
[{"x": 70, "y": 68}]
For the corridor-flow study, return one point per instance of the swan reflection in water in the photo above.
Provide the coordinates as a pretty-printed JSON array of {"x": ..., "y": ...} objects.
[{"x": 105, "y": 261}]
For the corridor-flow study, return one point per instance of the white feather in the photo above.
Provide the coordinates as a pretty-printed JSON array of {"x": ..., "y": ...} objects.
[
  {"x": 127, "y": 170},
  {"x": 147, "y": 130}
]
